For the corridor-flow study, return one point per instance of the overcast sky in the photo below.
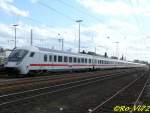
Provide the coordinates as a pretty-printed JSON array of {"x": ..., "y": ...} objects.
[{"x": 104, "y": 23}]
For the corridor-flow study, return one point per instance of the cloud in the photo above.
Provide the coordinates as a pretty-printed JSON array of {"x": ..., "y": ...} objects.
[
  {"x": 34, "y": 1},
  {"x": 117, "y": 7},
  {"x": 8, "y": 7},
  {"x": 92, "y": 37}
]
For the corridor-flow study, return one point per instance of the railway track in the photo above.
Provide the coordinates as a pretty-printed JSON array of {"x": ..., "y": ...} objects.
[
  {"x": 29, "y": 94},
  {"x": 126, "y": 99},
  {"x": 50, "y": 80}
]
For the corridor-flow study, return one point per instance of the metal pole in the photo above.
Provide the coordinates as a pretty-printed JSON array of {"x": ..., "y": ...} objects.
[
  {"x": 79, "y": 38},
  {"x": 117, "y": 54},
  {"x": 79, "y": 21},
  {"x": 15, "y": 25},
  {"x": 31, "y": 37},
  {"x": 62, "y": 44},
  {"x": 15, "y": 37}
]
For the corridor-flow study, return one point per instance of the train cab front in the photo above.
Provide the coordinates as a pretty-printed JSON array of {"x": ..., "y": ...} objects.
[{"x": 13, "y": 63}]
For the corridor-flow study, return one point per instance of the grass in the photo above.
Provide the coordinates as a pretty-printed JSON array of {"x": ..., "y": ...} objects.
[{"x": 146, "y": 101}]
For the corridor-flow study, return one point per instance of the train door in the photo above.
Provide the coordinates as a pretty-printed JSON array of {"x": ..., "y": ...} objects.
[
  {"x": 66, "y": 62},
  {"x": 50, "y": 62},
  {"x": 93, "y": 64}
]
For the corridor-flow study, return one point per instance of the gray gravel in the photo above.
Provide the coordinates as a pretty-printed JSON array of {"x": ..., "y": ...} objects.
[{"x": 77, "y": 100}]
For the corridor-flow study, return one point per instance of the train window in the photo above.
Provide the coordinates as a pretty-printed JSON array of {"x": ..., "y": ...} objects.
[
  {"x": 45, "y": 58},
  {"x": 32, "y": 54},
  {"x": 82, "y": 60},
  {"x": 59, "y": 58},
  {"x": 100, "y": 61},
  {"x": 103, "y": 61},
  {"x": 65, "y": 59},
  {"x": 17, "y": 55},
  {"x": 78, "y": 60},
  {"x": 55, "y": 58},
  {"x": 89, "y": 60},
  {"x": 74, "y": 59},
  {"x": 50, "y": 58},
  {"x": 70, "y": 59},
  {"x": 95, "y": 61},
  {"x": 92, "y": 61},
  {"x": 85, "y": 60}
]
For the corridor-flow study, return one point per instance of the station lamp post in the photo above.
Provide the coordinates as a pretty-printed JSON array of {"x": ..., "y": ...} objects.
[
  {"x": 15, "y": 27},
  {"x": 62, "y": 42},
  {"x": 117, "y": 47},
  {"x": 79, "y": 21}
]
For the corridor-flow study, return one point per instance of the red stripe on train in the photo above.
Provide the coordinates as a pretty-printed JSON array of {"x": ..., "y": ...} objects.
[
  {"x": 48, "y": 65},
  {"x": 67, "y": 65}
]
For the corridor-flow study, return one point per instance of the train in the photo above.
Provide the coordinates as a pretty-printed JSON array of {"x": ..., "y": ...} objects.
[{"x": 27, "y": 59}]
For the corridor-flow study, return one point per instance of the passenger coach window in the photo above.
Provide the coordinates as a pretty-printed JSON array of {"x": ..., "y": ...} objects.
[
  {"x": 74, "y": 59},
  {"x": 78, "y": 60},
  {"x": 82, "y": 60},
  {"x": 92, "y": 60},
  {"x": 50, "y": 58},
  {"x": 95, "y": 61},
  {"x": 89, "y": 60},
  {"x": 55, "y": 58},
  {"x": 65, "y": 59},
  {"x": 70, "y": 59},
  {"x": 32, "y": 54},
  {"x": 59, "y": 58},
  {"x": 85, "y": 60},
  {"x": 45, "y": 58}
]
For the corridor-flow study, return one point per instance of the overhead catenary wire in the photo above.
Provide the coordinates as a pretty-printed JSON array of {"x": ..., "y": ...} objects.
[
  {"x": 73, "y": 20},
  {"x": 135, "y": 16},
  {"x": 79, "y": 11},
  {"x": 56, "y": 11}
]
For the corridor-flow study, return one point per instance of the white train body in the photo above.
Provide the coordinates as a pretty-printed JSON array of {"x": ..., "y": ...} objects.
[{"x": 27, "y": 59}]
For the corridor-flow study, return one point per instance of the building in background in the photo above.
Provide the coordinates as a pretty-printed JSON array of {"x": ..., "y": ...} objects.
[{"x": 4, "y": 53}]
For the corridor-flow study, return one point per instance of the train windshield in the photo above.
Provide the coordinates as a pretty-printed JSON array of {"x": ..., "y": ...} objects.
[{"x": 17, "y": 55}]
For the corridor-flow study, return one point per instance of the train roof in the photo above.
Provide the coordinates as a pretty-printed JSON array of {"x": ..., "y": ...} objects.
[{"x": 38, "y": 49}]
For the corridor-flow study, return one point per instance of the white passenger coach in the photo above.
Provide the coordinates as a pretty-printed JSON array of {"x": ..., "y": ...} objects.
[{"x": 33, "y": 59}]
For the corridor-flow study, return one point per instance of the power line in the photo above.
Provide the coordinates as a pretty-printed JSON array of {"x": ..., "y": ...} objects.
[
  {"x": 54, "y": 10},
  {"x": 135, "y": 16},
  {"x": 78, "y": 10},
  {"x": 58, "y": 12},
  {"x": 40, "y": 23},
  {"x": 37, "y": 21}
]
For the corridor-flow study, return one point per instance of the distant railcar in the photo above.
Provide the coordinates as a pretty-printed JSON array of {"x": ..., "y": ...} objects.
[{"x": 33, "y": 59}]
